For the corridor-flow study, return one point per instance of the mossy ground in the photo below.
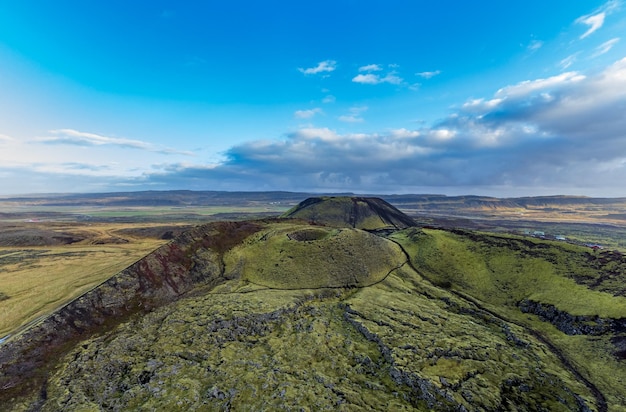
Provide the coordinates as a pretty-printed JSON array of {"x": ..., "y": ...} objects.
[
  {"x": 401, "y": 344},
  {"x": 501, "y": 270},
  {"x": 268, "y": 350},
  {"x": 287, "y": 256},
  {"x": 276, "y": 335}
]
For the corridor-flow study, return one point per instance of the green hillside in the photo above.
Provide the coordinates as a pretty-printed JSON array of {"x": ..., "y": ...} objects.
[
  {"x": 286, "y": 315},
  {"x": 304, "y": 257},
  {"x": 571, "y": 296}
]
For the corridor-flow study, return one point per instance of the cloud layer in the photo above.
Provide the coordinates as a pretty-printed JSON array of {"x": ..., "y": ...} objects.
[
  {"x": 560, "y": 134},
  {"x": 564, "y": 132},
  {"x": 75, "y": 137}
]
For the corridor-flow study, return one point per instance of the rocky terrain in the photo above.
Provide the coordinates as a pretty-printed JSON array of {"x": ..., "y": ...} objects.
[{"x": 313, "y": 312}]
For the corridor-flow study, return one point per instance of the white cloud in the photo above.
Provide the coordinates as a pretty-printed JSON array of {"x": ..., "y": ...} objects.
[
  {"x": 75, "y": 137},
  {"x": 404, "y": 133},
  {"x": 329, "y": 99},
  {"x": 558, "y": 134},
  {"x": 5, "y": 138},
  {"x": 307, "y": 114},
  {"x": 371, "y": 78},
  {"x": 311, "y": 133},
  {"x": 370, "y": 68},
  {"x": 354, "y": 115},
  {"x": 366, "y": 78},
  {"x": 528, "y": 86},
  {"x": 428, "y": 75},
  {"x": 350, "y": 118},
  {"x": 415, "y": 86},
  {"x": 595, "y": 20},
  {"x": 568, "y": 61},
  {"x": 481, "y": 105},
  {"x": 391, "y": 78},
  {"x": 326, "y": 66},
  {"x": 442, "y": 134},
  {"x": 535, "y": 45},
  {"x": 605, "y": 47},
  {"x": 70, "y": 136}
]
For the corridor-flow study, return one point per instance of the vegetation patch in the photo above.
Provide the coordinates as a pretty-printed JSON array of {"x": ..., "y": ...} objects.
[
  {"x": 401, "y": 344},
  {"x": 610, "y": 269},
  {"x": 37, "y": 237},
  {"x": 500, "y": 271},
  {"x": 573, "y": 325},
  {"x": 505, "y": 269},
  {"x": 277, "y": 258},
  {"x": 454, "y": 353}
]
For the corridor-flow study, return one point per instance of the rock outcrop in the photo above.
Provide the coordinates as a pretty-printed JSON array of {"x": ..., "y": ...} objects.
[{"x": 573, "y": 324}]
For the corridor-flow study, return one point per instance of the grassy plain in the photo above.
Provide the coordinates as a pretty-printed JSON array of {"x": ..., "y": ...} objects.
[
  {"x": 50, "y": 255},
  {"x": 35, "y": 280},
  {"x": 579, "y": 224}
]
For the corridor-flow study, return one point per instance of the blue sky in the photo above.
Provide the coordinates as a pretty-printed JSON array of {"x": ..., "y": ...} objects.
[{"x": 491, "y": 97}]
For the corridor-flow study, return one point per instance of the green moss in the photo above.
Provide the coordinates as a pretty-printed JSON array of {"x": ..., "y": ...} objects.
[
  {"x": 501, "y": 270},
  {"x": 300, "y": 257},
  {"x": 415, "y": 347},
  {"x": 334, "y": 319},
  {"x": 465, "y": 352},
  {"x": 269, "y": 350}
]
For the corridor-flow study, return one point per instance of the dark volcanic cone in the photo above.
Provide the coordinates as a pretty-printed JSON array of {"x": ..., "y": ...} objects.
[{"x": 369, "y": 213}]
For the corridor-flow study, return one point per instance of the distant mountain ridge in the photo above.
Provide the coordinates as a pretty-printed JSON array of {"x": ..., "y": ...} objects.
[{"x": 217, "y": 198}]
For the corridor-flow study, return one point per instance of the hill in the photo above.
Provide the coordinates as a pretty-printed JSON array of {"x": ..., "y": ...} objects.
[
  {"x": 287, "y": 256},
  {"x": 368, "y": 213},
  {"x": 280, "y": 314}
]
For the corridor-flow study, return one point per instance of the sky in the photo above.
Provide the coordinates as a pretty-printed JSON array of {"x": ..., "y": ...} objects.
[{"x": 498, "y": 98}]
